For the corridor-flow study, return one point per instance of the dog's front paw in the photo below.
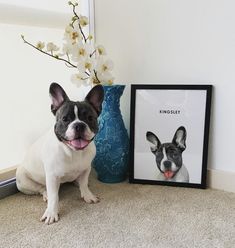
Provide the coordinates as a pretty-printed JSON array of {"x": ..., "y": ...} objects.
[
  {"x": 90, "y": 198},
  {"x": 50, "y": 217}
]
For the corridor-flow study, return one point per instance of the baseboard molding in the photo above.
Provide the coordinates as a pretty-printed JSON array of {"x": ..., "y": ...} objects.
[
  {"x": 222, "y": 180},
  {"x": 7, "y": 173},
  {"x": 8, "y": 189},
  {"x": 216, "y": 179},
  {"x": 8, "y": 181}
]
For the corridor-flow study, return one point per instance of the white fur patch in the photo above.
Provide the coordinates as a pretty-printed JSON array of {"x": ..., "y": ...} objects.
[
  {"x": 179, "y": 139},
  {"x": 76, "y": 112},
  {"x": 164, "y": 159}
]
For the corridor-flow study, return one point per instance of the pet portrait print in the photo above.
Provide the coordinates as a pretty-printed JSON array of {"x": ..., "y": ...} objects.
[
  {"x": 168, "y": 156},
  {"x": 169, "y": 133}
]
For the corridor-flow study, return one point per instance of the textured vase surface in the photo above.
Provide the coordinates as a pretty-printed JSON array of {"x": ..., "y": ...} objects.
[{"x": 112, "y": 142}]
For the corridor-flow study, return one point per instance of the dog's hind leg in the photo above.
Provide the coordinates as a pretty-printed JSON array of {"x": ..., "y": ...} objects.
[{"x": 28, "y": 186}]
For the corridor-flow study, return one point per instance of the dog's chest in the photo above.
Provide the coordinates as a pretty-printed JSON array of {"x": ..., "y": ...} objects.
[
  {"x": 70, "y": 174},
  {"x": 72, "y": 165}
]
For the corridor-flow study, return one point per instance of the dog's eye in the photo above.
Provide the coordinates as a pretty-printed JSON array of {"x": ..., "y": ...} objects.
[
  {"x": 65, "y": 119},
  {"x": 174, "y": 155},
  {"x": 159, "y": 155},
  {"x": 84, "y": 113},
  {"x": 90, "y": 118}
]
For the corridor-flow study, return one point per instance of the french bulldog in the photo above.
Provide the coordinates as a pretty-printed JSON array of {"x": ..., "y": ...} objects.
[
  {"x": 168, "y": 156},
  {"x": 64, "y": 154}
]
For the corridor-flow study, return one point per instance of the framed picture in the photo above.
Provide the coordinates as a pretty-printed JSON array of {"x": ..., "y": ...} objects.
[{"x": 169, "y": 132}]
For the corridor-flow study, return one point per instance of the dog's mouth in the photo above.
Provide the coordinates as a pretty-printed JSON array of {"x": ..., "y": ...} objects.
[
  {"x": 78, "y": 144},
  {"x": 169, "y": 174}
]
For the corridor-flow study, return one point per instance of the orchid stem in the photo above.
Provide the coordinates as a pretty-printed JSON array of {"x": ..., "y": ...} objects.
[
  {"x": 83, "y": 35},
  {"x": 66, "y": 61},
  {"x": 95, "y": 72}
]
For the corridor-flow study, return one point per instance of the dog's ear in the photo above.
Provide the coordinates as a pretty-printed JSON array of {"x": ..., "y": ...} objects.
[
  {"x": 155, "y": 142},
  {"x": 180, "y": 138},
  {"x": 95, "y": 97},
  {"x": 58, "y": 97}
]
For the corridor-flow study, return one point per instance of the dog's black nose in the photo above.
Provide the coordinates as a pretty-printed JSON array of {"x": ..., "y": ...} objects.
[
  {"x": 167, "y": 164},
  {"x": 80, "y": 127}
]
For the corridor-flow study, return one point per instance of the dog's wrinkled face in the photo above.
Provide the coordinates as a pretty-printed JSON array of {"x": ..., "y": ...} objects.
[
  {"x": 76, "y": 122},
  {"x": 168, "y": 155}
]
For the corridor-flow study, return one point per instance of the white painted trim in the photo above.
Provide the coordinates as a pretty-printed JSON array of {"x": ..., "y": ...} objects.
[
  {"x": 92, "y": 18},
  {"x": 17, "y": 15},
  {"x": 223, "y": 180},
  {"x": 8, "y": 189}
]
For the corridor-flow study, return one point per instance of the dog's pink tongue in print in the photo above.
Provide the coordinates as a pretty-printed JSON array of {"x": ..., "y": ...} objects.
[
  {"x": 168, "y": 174},
  {"x": 79, "y": 143}
]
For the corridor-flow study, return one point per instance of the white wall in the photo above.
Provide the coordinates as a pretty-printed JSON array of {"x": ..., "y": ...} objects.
[
  {"x": 24, "y": 98},
  {"x": 176, "y": 42},
  {"x": 25, "y": 77},
  {"x": 151, "y": 41}
]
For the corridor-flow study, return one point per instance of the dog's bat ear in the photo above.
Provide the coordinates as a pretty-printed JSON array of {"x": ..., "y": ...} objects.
[
  {"x": 180, "y": 138},
  {"x": 95, "y": 97},
  {"x": 153, "y": 139},
  {"x": 58, "y": 97}
]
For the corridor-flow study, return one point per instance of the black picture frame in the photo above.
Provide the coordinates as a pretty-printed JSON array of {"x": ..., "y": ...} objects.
[{"x": 139, "y": 120}]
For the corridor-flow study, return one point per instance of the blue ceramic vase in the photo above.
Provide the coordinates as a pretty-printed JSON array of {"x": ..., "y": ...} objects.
[{"x": 112, "y": 142}]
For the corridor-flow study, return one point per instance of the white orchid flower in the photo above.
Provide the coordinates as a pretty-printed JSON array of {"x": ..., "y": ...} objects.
[
  {"x": 40, "y": 45},
  {"x": 83, "y": 21},
  {"x": 73, "y": 2},
  {"x": 100, "y": 50},
  {"x": 86, "y": 64},
  {"x": 79, "y": 79},
  {"x": 67, "y": 48},
  {"x": 51, "y": 47},
  {"x": 81, "y": 51},
  {"x": 90, "y": 37},
  {"x": 104, "y": 65},
  {"x": 106, "y": 78},
  {"x": 72, "y": 34}
]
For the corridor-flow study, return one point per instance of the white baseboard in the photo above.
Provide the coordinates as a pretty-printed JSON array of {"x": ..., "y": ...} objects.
[
  {"x": 222, "y": 180},
  {"x": 8, "y": 188},
  {"x": 216, "y": 179}
]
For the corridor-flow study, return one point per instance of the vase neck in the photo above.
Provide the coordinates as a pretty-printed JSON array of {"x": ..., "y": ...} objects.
[{"x": 112, "y": 96}]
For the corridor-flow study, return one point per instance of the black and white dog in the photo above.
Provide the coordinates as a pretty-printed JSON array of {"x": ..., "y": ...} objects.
[
  {"x": 169, "y": 156},
  {"x": 65, "y": 153}
]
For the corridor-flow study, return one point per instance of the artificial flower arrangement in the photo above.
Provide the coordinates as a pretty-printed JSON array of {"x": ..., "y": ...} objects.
[{"x": 79, "y": 53}]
